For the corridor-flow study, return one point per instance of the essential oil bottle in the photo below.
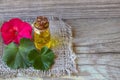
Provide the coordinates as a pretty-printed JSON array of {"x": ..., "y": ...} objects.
[{"x": 41, "y": 32}]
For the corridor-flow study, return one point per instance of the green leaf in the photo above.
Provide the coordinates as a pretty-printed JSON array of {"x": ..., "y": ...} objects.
[
  {"x": 43, "y": 59},
  {"x": 17, "y": 56}
]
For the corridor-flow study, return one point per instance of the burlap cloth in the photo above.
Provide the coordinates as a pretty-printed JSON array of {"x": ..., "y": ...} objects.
[{"x": 64, "y": 63}]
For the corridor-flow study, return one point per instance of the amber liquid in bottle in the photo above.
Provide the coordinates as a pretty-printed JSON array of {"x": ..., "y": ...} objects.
[
  {"x": 41, "y": 32},
  {"x": 42, "y": 39}
]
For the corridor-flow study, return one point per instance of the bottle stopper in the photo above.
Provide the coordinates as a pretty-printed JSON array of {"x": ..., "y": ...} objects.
[{"x": 41, "y": 23}]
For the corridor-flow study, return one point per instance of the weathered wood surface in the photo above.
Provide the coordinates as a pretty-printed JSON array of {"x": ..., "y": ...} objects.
[
  {"x": 96, "y": 35},
  {"x": 97, "y": 46},
  {"x": 67, "y": 9},
  {"x": 96, "y": 41}
]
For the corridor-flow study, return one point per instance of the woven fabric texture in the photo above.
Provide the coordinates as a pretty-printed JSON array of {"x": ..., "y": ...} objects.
[{"x": 64, "y": 63}]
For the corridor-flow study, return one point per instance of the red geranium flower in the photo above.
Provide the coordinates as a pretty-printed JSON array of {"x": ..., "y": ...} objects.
[{"x": 14, "y": 30}]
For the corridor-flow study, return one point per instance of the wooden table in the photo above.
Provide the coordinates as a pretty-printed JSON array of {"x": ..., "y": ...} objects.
[{"x": 96, "y": 31}]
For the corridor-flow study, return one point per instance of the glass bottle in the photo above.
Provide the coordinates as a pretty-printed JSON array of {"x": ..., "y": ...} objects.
[{"x": 41, "y": 32}]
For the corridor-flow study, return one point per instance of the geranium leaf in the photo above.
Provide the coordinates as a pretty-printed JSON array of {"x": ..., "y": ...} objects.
[
  {"x": 33, "y": 54},
  {"x": 17, "y": 56},
  {"x": 43, "y": 59}
]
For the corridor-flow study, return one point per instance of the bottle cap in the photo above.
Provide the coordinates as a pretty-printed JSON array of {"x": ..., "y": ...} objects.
[{"x": 41, "y": 23}]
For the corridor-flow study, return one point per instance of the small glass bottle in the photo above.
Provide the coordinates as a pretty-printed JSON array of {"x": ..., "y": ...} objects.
[{"x": 41, "y": 32}]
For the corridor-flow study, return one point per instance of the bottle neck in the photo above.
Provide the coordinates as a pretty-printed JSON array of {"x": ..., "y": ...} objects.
[{"x": 38, "y": 31}]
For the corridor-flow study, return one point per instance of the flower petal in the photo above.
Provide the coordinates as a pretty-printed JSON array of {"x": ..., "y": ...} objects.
[
  {"x": 16, "y": 23},
  {"x": 14, "y": 30},
  {"x": 8, "y": 37},
  {"x": 5, "y": 27},
  {"x": 25, "y": 34},
  {"x": 17, "y": 39},
  {"x": 26, "y": 26}
]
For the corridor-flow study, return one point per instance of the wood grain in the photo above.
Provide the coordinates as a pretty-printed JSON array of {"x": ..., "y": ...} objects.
[
  {"x": 96, "y": 31},
  {"x": 97, "y": 46},
  {"x": 99, "y": 72},
  {"x": 67, "y": 9},
  {"x": 96, "y": 35},
  {"x": 99, "y": 66},
  {"x": 99, "y": 59}
]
